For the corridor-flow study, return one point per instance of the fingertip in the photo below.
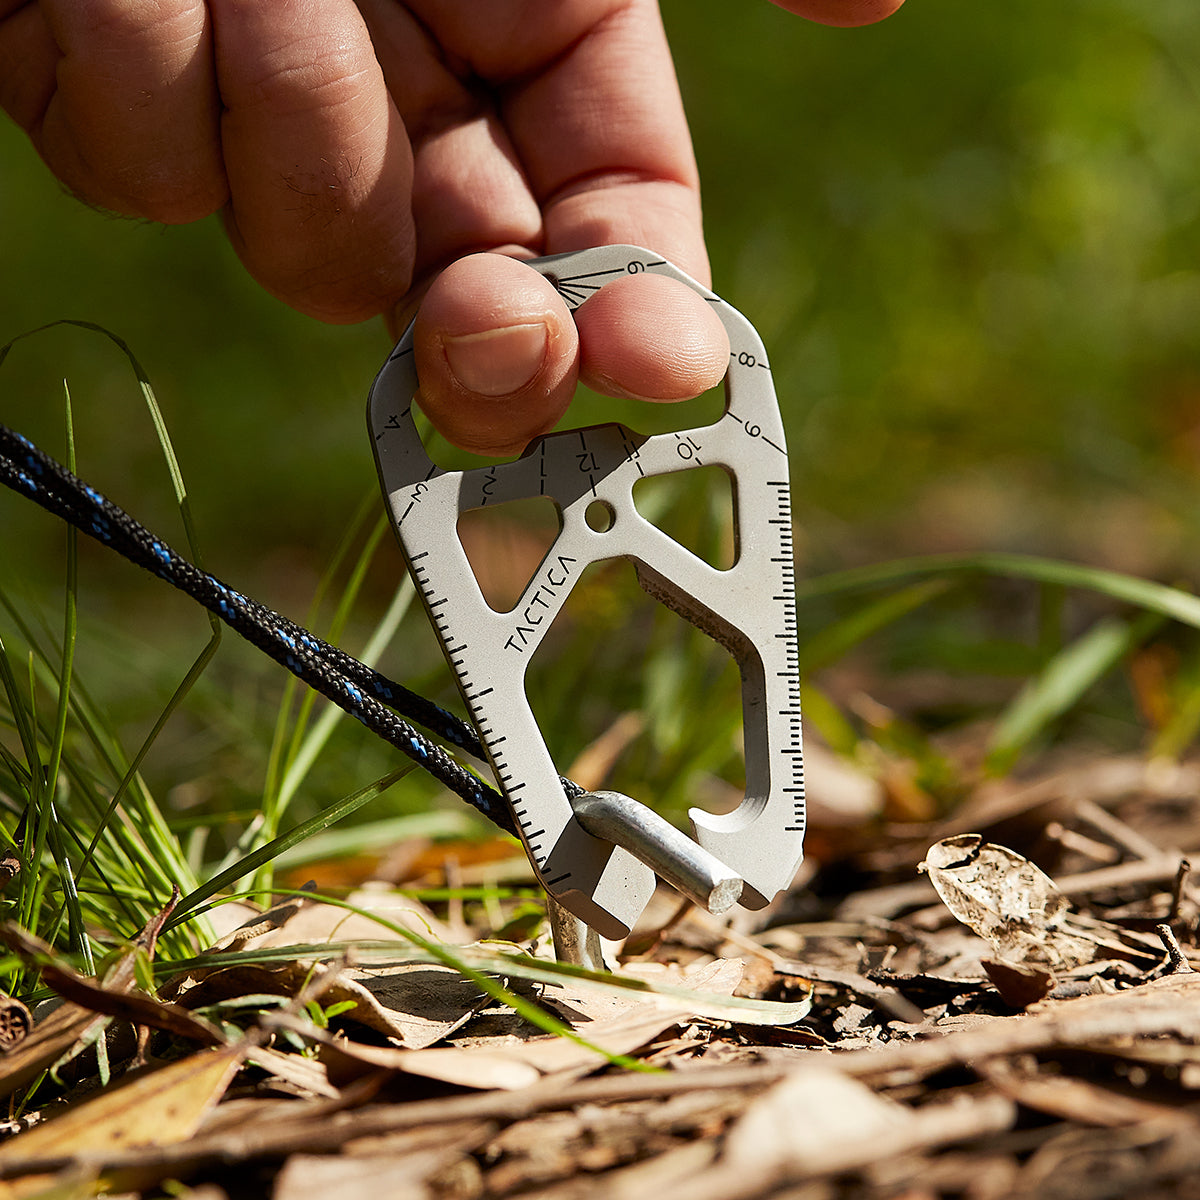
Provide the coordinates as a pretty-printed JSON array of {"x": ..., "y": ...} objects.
[
  {"x": 496, "y": 352},
  {"x": 844, "y": 13},
  {"x": 650, "y": 337}
]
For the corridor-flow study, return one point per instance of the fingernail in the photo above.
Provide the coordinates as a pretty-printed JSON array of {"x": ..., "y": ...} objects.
[{"x": 498, "y": 361}]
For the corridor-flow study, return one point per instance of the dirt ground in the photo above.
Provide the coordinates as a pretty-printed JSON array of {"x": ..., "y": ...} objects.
[{"x": 927, "y": 1014}]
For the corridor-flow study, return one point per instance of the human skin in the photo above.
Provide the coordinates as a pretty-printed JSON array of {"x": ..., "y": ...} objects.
[
  {"x": 842, "y": 12},
  {"x": 379, "y": 156}
]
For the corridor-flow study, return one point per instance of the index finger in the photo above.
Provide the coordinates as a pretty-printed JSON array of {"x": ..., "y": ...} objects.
[
  {"x": 318, "y": 162},
  {"x": 590, "y": 113},
  {"x": 604, "y": 141}
]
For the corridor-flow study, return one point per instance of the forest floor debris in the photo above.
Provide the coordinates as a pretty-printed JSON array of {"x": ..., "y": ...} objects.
[{"x": 1023, "y": 1019}]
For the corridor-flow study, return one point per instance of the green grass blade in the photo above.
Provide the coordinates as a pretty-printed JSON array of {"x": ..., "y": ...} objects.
[
  {"x": 367, "y": 838},
  {"x": 289, "y": 766},
  {"x": 78, "y": 940},
  {"x": 314, "y": 741},
  {"x": 1062, "y": 683},
  {"x": 38, "y": 816},
  {"x": 827, "y": 719},
  {"x": 70, "y": 625},
  {"x": 148, "y": 841},
  {"x": 474, "y": 964},
  {"x": 288, "y": 730},
  {"x": 836, "y": 640},
  {"x": 131, "y": 773},
  {"x": 263, "y": 854},
  {"x": 1154, "y": 597},
  {"x": 70, "y": 899},
  {"x": 1180, "y": 730}
]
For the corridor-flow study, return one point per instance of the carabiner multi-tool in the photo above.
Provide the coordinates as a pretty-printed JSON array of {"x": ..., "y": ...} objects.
[{"x": 583, "y": 850}]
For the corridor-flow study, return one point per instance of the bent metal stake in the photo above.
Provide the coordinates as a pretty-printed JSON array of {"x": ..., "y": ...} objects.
[{"x": 597, "y": 853}]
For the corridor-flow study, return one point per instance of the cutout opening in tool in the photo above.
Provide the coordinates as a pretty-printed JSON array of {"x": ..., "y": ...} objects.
[
  {"x": 600, "y": 516},
  {"x": 694, "y": 508},
  {"x": 506, "y": 543},
  {"x": 639, "y": 735},
  {"x": 645, "y": 416}
]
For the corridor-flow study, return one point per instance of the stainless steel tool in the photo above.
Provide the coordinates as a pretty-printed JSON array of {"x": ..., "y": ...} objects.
[{"x": 592, "y": 855}]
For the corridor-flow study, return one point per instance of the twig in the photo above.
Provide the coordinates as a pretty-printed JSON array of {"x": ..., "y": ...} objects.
[
  {"x": 1176, "y": 960},
  {"x": 1185, "y": 868},
  {"x": 748, "y": 1177},
  {"x": 324, "y": 1127},
  {"x": 1168, "y": 1007},
  {"x": 1115, "y": 829},
  {"x": 1071, "y": 839},
  {"x": 108, "y": 999},
  {"x": 1154, "y": 870},
  {"x": 897, "y": 1006}
]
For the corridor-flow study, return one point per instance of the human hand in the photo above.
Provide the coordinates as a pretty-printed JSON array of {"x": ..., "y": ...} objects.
[{"x": 355, "y": 149}]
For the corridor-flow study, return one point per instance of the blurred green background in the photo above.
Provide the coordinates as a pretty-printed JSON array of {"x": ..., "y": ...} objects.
[{"x": 968, "y": 236}]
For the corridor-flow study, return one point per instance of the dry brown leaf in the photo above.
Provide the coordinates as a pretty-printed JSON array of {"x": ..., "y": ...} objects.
[
  {"x": 155, "y": 1108},
  {"x": 309, "y": 921},
  {"x": 1006, "y": 900},
  {"x": 421, "y": 1003},
  {"x": 418, "y": 1004},
  {"x": 396, "y": 1166},
  {"x": 1020, "y": 984},
  {"x": 477, "y": 1067},
  {"x": 581, "y": 1003},
  {"x": 504, "y": 1062},
  {"x": 810, "y": 1115},
  {"x": 307, "y": 1076},
  {"x": 1083, "y": 1101},
  {"x": 341, "y": 1177},
  {"x": 619, "y": 1035},
  {"x": 64, "y": 1032},
  {"x": 71, "y": 1026},
  {"x": 818, "y": 1122}
]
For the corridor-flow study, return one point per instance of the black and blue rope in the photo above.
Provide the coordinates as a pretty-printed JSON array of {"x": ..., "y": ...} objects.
[{"x": 379, "y": 703}]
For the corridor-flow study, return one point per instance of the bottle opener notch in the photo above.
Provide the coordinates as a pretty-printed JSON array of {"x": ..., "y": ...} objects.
[{"x": 590, "y": 474}]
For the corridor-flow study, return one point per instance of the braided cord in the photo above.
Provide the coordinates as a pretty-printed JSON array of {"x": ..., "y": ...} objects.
[{"x": 379, "y": 703}]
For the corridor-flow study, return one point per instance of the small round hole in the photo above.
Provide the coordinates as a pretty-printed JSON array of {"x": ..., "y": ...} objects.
[{"x": 600, "y": 516}]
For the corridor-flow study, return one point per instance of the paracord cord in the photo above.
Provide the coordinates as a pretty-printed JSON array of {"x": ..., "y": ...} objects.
[{"x": 368, "y": 696}]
